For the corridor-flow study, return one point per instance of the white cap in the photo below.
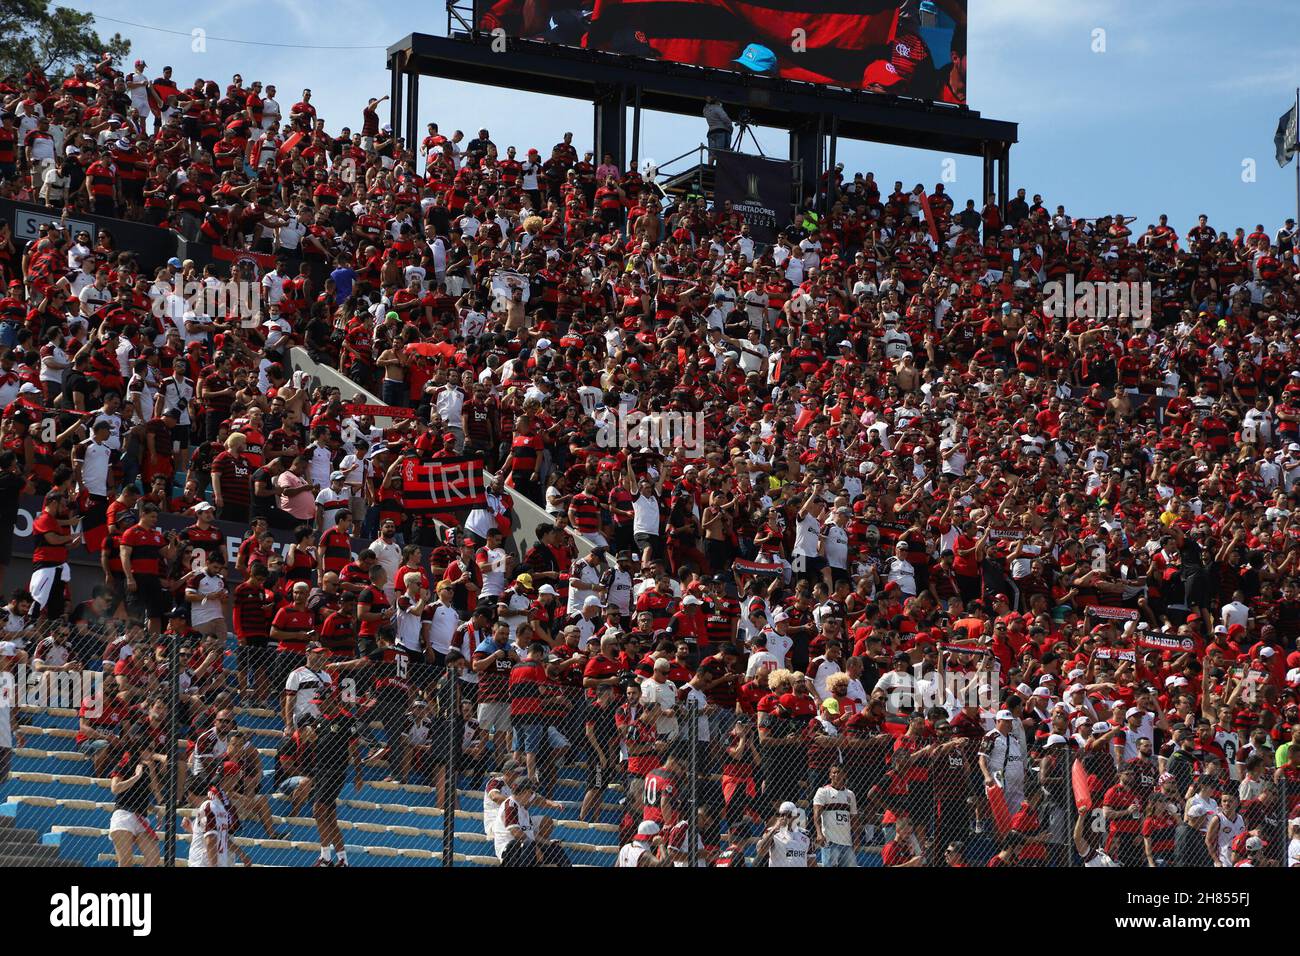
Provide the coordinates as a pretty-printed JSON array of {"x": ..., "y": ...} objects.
[
  {"x": 1100, "y": 727},
  {"x": 1220, "y": 629},
  {"x": 1076, "y": 673},
  {"x": 1254, "y": 844},
  {"x": 1132, "y": 712},
  {"x": 591, "y": 601},
  {"x": 691, "y": 599},
  {"x": 547, "y": 589},
  {"x": 1081, "y": 721},
  {"x": 1054, "y": 740},
  {"x": 787, "y": 807},
  {"x": 30, "y": 389},
  {"x": 543, "y": 343},
  {"x": 1006, "y": 715},
  {"x": 8, "y": 649},
  {"x": 1041, "y": 692},
  {"x": 1266, "y": 652},
  {"x": 203, "y": 506},
  {"x": 647, "y": 828},
  {"x": 1072, "y": 688}
]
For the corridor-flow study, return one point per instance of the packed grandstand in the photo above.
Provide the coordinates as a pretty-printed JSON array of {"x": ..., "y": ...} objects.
[{"x": 957, "y": 571}]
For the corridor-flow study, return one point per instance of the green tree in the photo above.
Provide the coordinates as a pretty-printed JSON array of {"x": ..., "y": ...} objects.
[{"x": 37, "y": 32}]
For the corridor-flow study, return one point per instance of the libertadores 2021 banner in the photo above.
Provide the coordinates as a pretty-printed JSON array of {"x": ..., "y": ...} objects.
[{"x": 914, "y": 48}]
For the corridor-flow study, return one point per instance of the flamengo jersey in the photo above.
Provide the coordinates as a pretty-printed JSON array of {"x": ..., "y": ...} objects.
[
  {"x": 790, "y": 847},
  {"x": 630, "y": 854},
  {"x": 658, "y": 784},
  {"x": 304, "y": 686},
  {"x": 212, "y": 821}
]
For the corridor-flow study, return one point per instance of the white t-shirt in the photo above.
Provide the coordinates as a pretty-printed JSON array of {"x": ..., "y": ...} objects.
[
  {"x": 494, "y": 579},
  {"x": 442, "y": 627},
  {"x": 790, "y": 847},
  {"x": 94, "y": 467},
  {"x": 645, "y": 515},
  {"x": 665, "y": 695},
  {"x": 513, "y": 814},
  {"x": 837, "y": 546},
  {"x": 328, "y": 496},
  {"x": 207, "y": 610},
  {"x": 806, "y": 532},
  {"x": 492, "y": 809},
  {"x": 8, "y": 692},
  {"x": 305, "y": 684},
  {"x": 838, "y": 806},
  {"x": 211, "y": 822}
]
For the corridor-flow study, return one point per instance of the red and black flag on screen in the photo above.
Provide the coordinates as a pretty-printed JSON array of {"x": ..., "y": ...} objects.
[{"x": 445, "y": 484}]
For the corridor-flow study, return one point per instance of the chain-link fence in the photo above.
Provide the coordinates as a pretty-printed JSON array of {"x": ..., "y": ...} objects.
[{"x": 520, "y": 757}]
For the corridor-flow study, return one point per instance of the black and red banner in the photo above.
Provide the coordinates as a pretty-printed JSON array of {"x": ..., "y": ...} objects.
[
  {"x": 758, "y": 569},
  {"x": 379, "y": 411},
  {"x": 445, "y": 484}
]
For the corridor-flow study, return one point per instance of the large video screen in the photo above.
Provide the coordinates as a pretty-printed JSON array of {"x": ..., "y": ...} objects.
[{"x": 913, "y": 48}]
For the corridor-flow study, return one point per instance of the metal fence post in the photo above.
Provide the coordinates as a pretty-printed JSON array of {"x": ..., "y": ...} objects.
[
  {"x": 1071, "y": 810},
  {"x": 1284, "y": 806},
  {"x": 449, "y": 702},
  {"x": 173, "y": 741},
  {"x": 693, "y": 740}
]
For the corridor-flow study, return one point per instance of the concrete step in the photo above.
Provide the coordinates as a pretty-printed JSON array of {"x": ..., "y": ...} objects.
[
  {"x": 36, "y": 855},
  {"x": 12, "y": 837}
]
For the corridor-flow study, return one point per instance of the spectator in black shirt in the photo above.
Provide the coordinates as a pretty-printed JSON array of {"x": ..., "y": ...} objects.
[{"x": 13, "y": 484}]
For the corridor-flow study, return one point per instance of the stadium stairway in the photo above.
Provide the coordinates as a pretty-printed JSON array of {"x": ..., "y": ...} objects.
[{"x": 53, "y": 810}]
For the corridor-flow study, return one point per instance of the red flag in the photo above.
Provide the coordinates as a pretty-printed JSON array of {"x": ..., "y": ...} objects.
[
  {"x": 1082, "y": 782},
  {"x": 998, "y": 808},
  {"x": 287, "y": 146},
  {"x": 444, "y": 484},
  {"x": 929, "y": 216}
]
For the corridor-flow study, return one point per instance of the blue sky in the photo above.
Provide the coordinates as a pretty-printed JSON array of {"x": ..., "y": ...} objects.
[{"x": 1161, "y": 120}]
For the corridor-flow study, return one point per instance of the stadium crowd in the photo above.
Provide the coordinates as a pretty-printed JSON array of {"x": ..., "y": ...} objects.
[{"x": 916, "y": 470}]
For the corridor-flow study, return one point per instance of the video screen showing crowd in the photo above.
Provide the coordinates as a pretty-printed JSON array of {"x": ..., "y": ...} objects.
[{"x": 914, "y": 48}]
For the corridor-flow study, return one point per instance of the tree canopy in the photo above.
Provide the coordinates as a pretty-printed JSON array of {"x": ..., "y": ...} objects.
[{"x": 39, "y": 33}]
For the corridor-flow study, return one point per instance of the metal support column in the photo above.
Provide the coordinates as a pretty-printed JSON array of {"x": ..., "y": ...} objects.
[
  {"x": 395, "y": 92},
  {"x": 830, "y": 163},
  {"x": 611, "y": 124},
  {"x": 636, "y": 129},
  {"x": 805, "y": 149},
  {"x": 1004, "y": 179},
  {"x": 990, "y": 163},
  {"x": 412, "y": 134}
]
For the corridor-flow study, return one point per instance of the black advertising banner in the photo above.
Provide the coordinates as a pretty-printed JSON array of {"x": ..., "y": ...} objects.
[
  {"x": 152, "y": 245},
  {"x": 760, "y": 189}
]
